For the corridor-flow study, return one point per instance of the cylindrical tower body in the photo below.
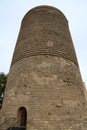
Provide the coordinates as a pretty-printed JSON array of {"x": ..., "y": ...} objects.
[{"x": 44, "y": 80}]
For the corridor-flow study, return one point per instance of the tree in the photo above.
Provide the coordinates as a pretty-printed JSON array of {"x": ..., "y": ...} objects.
[{"x": 3, "y": 80}]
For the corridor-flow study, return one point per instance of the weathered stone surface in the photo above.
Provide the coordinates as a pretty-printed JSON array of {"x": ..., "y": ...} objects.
[
  {"x": 44, "y": 76},
  {"x": 44, "y": 31}
]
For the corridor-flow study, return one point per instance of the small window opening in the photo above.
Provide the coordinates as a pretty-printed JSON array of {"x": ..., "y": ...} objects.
[{"x": 22, "y": 116}]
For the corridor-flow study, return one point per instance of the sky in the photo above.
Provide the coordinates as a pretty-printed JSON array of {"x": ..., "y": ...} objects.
[{"x": 12, "y": 13}]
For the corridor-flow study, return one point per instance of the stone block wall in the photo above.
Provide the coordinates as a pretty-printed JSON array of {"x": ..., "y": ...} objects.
[
  {"x": 48, "y": 89},
  {"x": 44, "y": 77},
  {"x": 44, "y": 31}
]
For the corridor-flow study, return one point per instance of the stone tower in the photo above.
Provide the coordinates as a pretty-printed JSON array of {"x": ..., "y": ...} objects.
[{"x": 44, "y": 89}]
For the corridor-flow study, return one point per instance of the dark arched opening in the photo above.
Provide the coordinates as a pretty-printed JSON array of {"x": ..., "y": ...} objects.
[{"x": 22, "y": 116}]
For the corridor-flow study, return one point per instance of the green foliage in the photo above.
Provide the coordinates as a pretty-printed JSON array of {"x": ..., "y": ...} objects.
[{"x": 3, "y": 80}]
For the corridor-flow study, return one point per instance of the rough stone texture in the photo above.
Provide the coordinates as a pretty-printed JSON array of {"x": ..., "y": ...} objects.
[
  {"x": 44, "y": 31},
  {"x": 44, "y": 76}
]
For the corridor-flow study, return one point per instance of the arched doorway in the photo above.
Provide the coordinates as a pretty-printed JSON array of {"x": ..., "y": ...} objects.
[{"x": 22, "y": 116}]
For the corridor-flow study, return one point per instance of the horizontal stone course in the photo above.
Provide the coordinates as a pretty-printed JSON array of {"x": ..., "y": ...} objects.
[{"x": 39, "y": 30}]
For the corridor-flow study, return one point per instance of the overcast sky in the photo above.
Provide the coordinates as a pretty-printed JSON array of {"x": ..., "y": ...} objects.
[{"x": 12, "y": 12}]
